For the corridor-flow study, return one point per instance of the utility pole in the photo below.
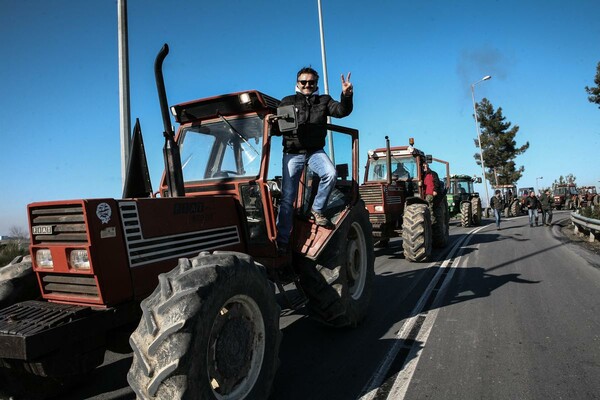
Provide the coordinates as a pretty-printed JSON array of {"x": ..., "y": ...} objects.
[
  {"x": 124, "y": 112},
  {"x": 325, "y": 78}
]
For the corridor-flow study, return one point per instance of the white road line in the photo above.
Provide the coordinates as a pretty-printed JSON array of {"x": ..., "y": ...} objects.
[{"x": 420, "y": 323}]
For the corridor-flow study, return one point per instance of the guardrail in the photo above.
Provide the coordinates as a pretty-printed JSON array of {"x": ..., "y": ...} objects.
[{"x": 584, "y": 225}]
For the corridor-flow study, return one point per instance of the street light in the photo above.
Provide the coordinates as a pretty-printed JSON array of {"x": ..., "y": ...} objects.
[
  {"x": 536, "y": 183},
  {"x": 487, "y": 196}
]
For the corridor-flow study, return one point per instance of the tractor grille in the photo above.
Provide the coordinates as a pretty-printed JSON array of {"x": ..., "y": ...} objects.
[
  {"x": 371, "y": 194},
  {"x": 70, "y": 285},
  {"x": 377, "y": 219},
  {"x": 64, "y": 223}
]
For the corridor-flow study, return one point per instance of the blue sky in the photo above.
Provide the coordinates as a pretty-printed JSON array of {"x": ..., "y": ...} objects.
[{"x": 412, "y": 65}]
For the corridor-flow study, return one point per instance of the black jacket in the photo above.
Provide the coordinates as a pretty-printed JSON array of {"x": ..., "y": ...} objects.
[
  {"x": 496, "y": 203},
  {"x": 312, "y": 112},
  {"x": 532, "y": 202}
]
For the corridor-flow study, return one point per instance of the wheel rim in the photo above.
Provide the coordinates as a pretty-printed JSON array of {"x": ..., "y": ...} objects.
[
  {"x": 236, "y": 348},
  {"x": 356, "y": 257}
]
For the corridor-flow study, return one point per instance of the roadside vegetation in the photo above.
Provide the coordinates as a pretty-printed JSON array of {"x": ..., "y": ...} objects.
[
  {"x": 590, "y": 212},
  {"x": 16, "y": 246}
]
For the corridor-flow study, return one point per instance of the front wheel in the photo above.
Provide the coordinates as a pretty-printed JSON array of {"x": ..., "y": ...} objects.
[
  {"x": 339, "y": 284},
  {"x": 210, "y": 330}
]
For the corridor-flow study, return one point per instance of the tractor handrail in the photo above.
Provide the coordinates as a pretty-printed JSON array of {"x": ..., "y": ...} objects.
[{"x": 589, "y": 224}]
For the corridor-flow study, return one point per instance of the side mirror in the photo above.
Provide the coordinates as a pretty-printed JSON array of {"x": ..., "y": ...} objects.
[
  {"x": 429, "y": 158},
  {"x": 286, "y": 118},
  {"x": 478, "y": 179}
]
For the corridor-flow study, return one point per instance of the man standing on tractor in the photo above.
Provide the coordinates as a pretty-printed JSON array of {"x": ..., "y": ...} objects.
[
  {"x": 305, "y": 144},
  {"x": 431, "y": 181},
  {"x": 547, "y": 202}
]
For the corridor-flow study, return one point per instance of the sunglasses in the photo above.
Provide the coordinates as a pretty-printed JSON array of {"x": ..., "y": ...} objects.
[{"x": 311, "y": 82}]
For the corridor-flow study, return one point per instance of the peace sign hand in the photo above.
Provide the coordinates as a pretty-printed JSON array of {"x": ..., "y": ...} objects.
[{"x": 347, "y": 88}]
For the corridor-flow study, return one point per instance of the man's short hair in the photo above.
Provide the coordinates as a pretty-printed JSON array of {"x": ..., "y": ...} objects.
[
  {"x": 497, "y": 191},
  {"x": 307, "y": 70}
]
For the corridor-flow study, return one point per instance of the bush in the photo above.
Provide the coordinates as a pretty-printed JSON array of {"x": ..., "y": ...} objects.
[
  {"x": 590, "y": 212},
  {"x": 11, "y": 250}
]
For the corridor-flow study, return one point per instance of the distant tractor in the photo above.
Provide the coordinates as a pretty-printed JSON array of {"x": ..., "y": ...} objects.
[
  {"x": 565, "y": 196},
  {"x": 396, "y": 201},
  {"x": 587, "y": 196},
  {"x": 512, "y": 204},
  {"x": 523, "y": 193},
  {"x": 463, "y": 200}
]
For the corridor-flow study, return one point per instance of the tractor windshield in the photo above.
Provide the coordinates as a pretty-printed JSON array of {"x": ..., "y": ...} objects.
[
  {"x": 403, "y": 167},
  {"x": 461, "y": 187},
  {"x": 223, "y": 148}
]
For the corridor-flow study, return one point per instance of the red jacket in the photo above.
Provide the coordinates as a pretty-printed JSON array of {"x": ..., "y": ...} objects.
[{"x": 429, "y": 184}]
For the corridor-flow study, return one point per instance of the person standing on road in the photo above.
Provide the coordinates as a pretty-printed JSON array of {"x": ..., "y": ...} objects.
[
  {"x": 533, "y": 204},
  {"x": 305, "y": 144},
  {"x": 497, "y": 205},
  {"x": 547, "y": 203}
]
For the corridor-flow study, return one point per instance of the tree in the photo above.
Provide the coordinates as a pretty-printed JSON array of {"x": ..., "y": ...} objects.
[
  {"x": 498, "y": 144},
  {"x": 594, "y": 92},
  {"x": 564, "y": 180},
  {"x": 15, "y": 246}
]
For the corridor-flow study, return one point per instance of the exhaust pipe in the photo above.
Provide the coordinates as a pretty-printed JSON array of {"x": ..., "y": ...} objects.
[
  {"x": 171, "y": 154},
  {"x": 388, "y": 160}
]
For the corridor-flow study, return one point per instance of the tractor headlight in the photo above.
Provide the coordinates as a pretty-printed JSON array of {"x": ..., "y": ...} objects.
[
  {"x": 379, "y": 208},
  {"x": 79, "y": 259},
  {"x": 43, "y": 258}
]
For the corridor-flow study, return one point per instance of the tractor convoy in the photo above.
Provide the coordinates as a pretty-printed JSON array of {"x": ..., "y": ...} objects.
[{"x": 191, "y": 274}]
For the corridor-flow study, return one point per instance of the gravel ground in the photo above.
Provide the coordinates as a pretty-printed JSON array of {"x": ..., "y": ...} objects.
[{"x": 567, "y": 229}]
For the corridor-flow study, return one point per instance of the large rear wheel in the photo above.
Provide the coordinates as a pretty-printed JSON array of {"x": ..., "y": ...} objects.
[
  {"x": 340, "y": 283},
  {"x": 441, "y": 227},
  {"x": 210, "y": 330},
  {"x": 476, "y": 211},
  {"x": 465, "y": 213},
  {"x": 416, "y": 232},
  {"x": 515, "y": 208}
]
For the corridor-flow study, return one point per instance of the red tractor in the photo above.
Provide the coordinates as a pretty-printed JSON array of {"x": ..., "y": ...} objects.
[
  {"x": 587, "y": 196},
  {"x": 565, "y": 196},
  {"x": 396, "y": 201},
  {"x": 194, "y": 267}
]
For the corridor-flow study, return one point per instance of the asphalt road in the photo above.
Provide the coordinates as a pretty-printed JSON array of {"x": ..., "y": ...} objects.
[{"x": 509, "y": 314}]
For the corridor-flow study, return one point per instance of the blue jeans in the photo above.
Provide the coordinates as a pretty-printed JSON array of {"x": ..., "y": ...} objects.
[
  {"x": 293, "y": 165},
  {"x": 497, "y": 216},
  {"x": 533, "y": 212}
]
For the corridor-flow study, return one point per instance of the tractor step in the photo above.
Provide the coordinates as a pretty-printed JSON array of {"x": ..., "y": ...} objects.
[{"x": 295, "y": 299}]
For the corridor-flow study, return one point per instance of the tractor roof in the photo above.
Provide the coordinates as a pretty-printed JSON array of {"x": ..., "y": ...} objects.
[
  {"x": 228, "y": 104},
  {"x": 459, "y": 177},
  {"x": 396, "y": 151}
]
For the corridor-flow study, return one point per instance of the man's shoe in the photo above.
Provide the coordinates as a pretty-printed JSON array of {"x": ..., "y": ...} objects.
[
  {"x": 322, "y": 220},
  {"x": 282, "y": 249}
]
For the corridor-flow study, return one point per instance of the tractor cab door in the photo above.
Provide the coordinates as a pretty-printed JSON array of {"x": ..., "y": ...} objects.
[{"x": 342, "y": 148}]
